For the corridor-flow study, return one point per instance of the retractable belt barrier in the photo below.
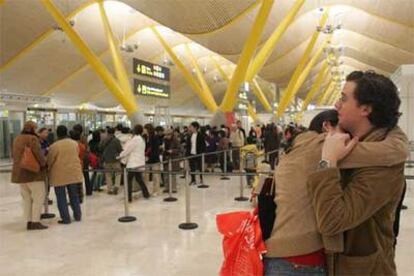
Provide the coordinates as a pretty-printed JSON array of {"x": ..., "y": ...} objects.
[{"x": 167, "y": 169}]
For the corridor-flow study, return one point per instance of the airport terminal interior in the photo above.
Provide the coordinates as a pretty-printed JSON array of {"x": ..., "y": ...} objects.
[{"x": 148, "y": 120}]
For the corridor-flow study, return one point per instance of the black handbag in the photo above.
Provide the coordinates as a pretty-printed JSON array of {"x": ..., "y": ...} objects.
[{"x": 267, "y": 207}]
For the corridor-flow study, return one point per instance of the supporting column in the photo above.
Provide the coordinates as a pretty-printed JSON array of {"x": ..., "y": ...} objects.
[
  {"x": 315, "y": 86},
  {"x": 326, "y": 93},
  {"x": 130, "y": 106},
  {"x": 219, "y": 118},
  {"x": 239, "y": 75},
  {"x": 121, "y": 72},
  {"x": 202, "y": 81},
  {"x": 267, "y": 49},
  {"x": 207, "y": 101},
  {"x": 288, "y": 96}
]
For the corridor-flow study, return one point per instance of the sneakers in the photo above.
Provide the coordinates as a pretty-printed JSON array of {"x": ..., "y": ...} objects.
[
  {"x": 35, "y": 226},
  {"x": 63, "y": 222}
]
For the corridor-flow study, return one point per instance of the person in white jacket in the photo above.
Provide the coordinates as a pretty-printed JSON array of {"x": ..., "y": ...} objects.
[{"x": 134, "y": 153}]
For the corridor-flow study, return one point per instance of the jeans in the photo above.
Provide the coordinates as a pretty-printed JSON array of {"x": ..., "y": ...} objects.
[
  {"x": 281, "y": 267},
  {"x": 63, "y": 204}
]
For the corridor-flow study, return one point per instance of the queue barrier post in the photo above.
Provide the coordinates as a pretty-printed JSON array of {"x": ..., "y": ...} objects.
[
  {"x": 187, "y": 225},
  {"x": 203, "y": 161},
  {"x": 126, "y": 217},
  {"x": 224, "y": 177},
  {"x": 241, "y": 197}
]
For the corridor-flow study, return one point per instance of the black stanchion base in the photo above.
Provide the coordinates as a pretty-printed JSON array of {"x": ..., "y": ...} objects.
[
  {"x": 224, "y": 178},
  {"x": 127, "y": 219},
  {"x": 241, "y": 198},
  {"x": 203, "y": 186},
  {"x": 47, "y": 216},
  {"x": 170, "y": 199},
  {"x": 188, "y": 226}
]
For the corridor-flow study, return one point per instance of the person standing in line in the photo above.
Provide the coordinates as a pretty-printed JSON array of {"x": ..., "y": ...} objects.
[
  {"x": 152, "y": 152},
  {"x": 95, "y": 162},
  {"x": 237, "y": 141},
  {"x": 65, "y": 173},
  {"x": 124, "y": 137},
  {"x": 272, "y": 143},
  {"x": 134, "y": 154},
  {"x": 196, "y": 144},
  {"x": 111, "y": 148},
  {"x": 32, "y": 186},
  {"x": 172, "y": 150},
  {"x": 76, "y": 136},
  {"x": 240, "y": 127},
  {"x": 44, "y": 145}
]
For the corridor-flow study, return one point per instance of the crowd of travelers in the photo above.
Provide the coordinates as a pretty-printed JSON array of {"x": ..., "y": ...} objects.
[{"x": 339, "y": 182}]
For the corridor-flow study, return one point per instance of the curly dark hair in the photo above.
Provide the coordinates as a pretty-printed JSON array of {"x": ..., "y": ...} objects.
[{"x": 381, "y": 94}]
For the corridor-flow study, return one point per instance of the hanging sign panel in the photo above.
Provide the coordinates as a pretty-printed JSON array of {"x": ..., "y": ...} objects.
[
  {"x": 148, "y": 69},
  {"x": 146, "y": 88}
]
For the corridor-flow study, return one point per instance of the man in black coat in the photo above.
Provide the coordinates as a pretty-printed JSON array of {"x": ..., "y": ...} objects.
[{"x": 196, "y": 144}]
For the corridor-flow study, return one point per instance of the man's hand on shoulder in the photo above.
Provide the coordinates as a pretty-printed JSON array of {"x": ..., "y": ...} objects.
[{"x": 337, "y": 145}]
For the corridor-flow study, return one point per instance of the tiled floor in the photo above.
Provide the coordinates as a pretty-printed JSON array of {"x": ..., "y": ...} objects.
[{"x": 153, "y": 245}]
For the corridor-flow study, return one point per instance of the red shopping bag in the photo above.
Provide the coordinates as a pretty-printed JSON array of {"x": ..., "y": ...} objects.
[{"x": 242, "y": 244}]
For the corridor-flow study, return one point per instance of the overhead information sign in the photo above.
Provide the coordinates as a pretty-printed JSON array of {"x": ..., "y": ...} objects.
[
  {"x": 146, "y": 88},
  {"x": 148, "y": 69}
]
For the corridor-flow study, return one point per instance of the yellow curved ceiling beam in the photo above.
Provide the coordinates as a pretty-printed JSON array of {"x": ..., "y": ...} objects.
[
  {"x": 271, "y": 43},
  {"x": 290, "y": 90},
  {"x": 85, "y": 66},
  {"x": 315, "y": 86},
  {"x": 131, "y": 107},
  {"x": 245, "y": 57},
  {"x": 201, "y": 80},
  {"x": 84, "y": 6},
  {"x": 329, "y": 89},
  {"x": 118, "y": 63},
  {"x": 206, "y": 99},
  {"x": 42, "y": 37}
]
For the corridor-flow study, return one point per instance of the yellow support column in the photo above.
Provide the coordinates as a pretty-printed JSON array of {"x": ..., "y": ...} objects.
[
  {"x": 326, "y": 93},
  {"x": 239, "y": 75},
  {"x": 120, "y": 70},
  {"x": 202, "y": 81},
  {"x": 261, "y": 96},
  {"x": 130, "y": 106},
  {"x": 251, "y": 112},
  {"x": 315, "y": 86},
  {"x": 267, "y": 49},
  {"x": 211, "y": 105},
  {"x": 288, "y": 96},
  {"x": 250, "y": 109},
  {"x": 333, "y": 96}
]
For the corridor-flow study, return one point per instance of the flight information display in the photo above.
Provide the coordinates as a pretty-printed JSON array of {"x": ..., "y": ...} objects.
[
  {"x": 151, "y": 70},
  {"x": 146, "y": 88}
]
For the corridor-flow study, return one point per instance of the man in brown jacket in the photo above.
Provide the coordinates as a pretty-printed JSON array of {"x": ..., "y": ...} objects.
[{"x": 360, "y": 203}]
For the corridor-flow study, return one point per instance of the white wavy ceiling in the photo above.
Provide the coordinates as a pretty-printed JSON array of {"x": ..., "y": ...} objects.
[{"x": 377, "y": 34}]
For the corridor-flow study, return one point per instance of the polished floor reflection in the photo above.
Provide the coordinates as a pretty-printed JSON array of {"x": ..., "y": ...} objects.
[{"x": 153, "y": 245}]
